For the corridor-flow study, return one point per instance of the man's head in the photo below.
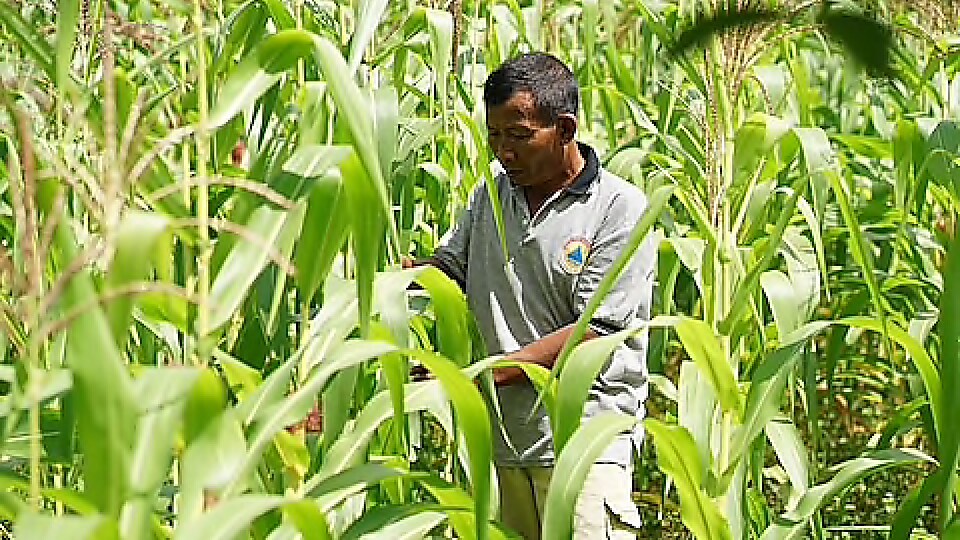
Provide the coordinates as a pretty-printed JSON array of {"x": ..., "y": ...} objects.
[{"x": 531, "y": 104}]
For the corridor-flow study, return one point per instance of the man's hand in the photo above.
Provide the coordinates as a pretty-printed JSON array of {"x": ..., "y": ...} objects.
[{"x": 543, "y": 352}]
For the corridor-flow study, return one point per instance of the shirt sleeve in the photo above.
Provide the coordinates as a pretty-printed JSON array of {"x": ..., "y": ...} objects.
[
  {"x": 451, "y": 254},
  {"x": 629, "y": 299}
]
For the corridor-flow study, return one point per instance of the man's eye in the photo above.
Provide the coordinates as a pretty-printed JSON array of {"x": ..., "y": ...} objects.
[{"x": 520, "y": 135}]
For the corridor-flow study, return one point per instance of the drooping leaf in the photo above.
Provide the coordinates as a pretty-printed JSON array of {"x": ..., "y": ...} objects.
[
  {"x": 573, "y": 464},
  {"x": 677, "y": 456},
  {"x": 794, "y": 521},
  {"x": 586, "y": 362}
]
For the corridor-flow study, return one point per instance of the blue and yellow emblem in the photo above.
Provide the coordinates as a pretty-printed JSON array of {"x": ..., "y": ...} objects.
[{"x": 575, "y": 253}]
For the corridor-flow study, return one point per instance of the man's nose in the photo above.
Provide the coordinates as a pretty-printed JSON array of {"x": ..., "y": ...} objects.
[{"x": 504, "y": 153}]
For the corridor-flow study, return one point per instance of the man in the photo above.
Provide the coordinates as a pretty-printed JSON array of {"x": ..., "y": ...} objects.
[{"x": 567, "y": 220}]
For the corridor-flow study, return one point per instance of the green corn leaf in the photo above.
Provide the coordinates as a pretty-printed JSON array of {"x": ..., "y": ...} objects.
[
  {"x": 280, "y": 14},
  {"x": 409, "y": 528},
  {"x": 368, "y": 230},
  {"x": 818, "y": 159},
  {"x": 355, "y": 110},
  {"x": 474, "y": 422},
  {"x": 586, "y": 362},
  {"x": 791, "y": 453},
  {"x": 257, "y": 73},
  {"x": 308, "y": 519},
  {"x": 103, "y": 393},
  {"x": 162, "y": 396},
  {"x": 138, "y": 235},
  {"x": 331, "y": 490},
  {"x": 656, "y": 203},
  {"x": 452, "y": 315},
  {"x": 243, "y": 264},
  {"x": 418, "y": 396},
  {"x": 793, "y": 522},
  {"x": 372, "y": 12},
  {"x": 456, "y": 503},
  {"x": 33, "y": 526},
  {"x": 297, "y": 405},
  {"x": 932, "y": 380},
  {"x": 580, "y": 453},
  {"x": 376, "y": 518},
  {"x": 229, "y": 518},
  {"x": 677, "y": 457},
  {"x": 763, "y": 400},
  {"x": 702, "y": 345},
  {"x": 325, "y": 230},
  {"x": 440, "y": 29},
  {"x": 210, "y": 462},
  {"x": 27, "y": 37},
  {"x": 859, "y": 247},
  {"x": 68, "y": 14},
  {"x": 483, "y": 162}
]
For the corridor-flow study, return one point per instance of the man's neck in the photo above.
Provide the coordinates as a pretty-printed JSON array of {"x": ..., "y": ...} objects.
[{"x": 573, "y": 164}]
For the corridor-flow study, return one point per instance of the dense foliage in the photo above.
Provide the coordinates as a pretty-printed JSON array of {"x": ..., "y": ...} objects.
[{"x": 205, "y": 330}]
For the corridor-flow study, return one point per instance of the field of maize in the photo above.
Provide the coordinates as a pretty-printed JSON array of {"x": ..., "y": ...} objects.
[{"x": 206, "y": 331}]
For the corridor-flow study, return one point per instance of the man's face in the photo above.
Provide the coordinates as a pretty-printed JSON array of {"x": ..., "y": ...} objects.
[{"x": 530, "y": 150}]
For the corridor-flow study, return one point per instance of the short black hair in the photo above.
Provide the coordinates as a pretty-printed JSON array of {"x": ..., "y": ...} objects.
[{"x": 549, "y": 80}]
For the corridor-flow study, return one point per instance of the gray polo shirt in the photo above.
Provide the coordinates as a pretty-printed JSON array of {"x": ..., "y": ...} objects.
[{"x": 557, "y": 258}]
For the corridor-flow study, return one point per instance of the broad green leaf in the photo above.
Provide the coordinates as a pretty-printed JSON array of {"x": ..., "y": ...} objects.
[
  {"x": 331, "y": 490},
  {"x": 755, "y": 139},
  {"x": 943, "y": 150},
  {"x": 784, "y": 300},
  {"x": 949, "y": 332},
  {"x": 68, "y": 13},
  {"x": 137, "y": 236},
  {"x": 372, "y": 12},
  {"x": 677, "y": 457},
  {"x": 703, "y": 347},
  {"x": 474, "y": 423},
  {"x": 791, "y": 453},
  {"x": 440, "y": 27},
  {"x": 409, "y": 528},
  {"x": 656, "y": 203},
  {"x": 763, "y": 400},
  {"x": 793, "y": 522},
  {"x": 308, "y": 519},
  {"x": 280, "y": 14},
  {"x": 572, "y": 466},
  {"x": 377, "y": 518},
  {"x": 354, "y": 109},
  {"x": 368, "y": 228},
  {"x": 162, "y": 396},
  {"x": 27, "y": 37},
  {"x": 33, "y": 526},
  {"x": 859, "y": 246},
  {"x": 418, "y": 396},
  {"x": 210, "y": 462},
  {"x": 316, "y": 160},
  {"x": 457, "y": 503},
  {"x": 243, "y": 264},
  {"x": 229, "y": 518},
  {"x": 452, "y": 315},
  {"x": 298, "y": 404},
  {"x": 932, "y": 380},
  {"x": 257, "y": 73},
  {"x": 586, "y": 362},
  {"x": 103, "y": 393}
]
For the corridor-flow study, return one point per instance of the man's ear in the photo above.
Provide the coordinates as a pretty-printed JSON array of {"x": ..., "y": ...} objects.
[{"x": 566, "y": 127}]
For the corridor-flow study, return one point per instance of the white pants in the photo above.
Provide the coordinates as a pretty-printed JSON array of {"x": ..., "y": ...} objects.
[{"x": 604, "y": 510}]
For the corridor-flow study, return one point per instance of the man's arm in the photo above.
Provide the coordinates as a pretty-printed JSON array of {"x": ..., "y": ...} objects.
[{"x": 542, "y": 352}]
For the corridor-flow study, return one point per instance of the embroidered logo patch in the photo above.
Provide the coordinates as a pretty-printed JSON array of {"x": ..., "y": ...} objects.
[{"x": 574, "y": 256}]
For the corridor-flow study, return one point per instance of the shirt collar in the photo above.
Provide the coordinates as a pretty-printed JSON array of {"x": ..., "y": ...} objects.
[{"x": 590, "y": 173}]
